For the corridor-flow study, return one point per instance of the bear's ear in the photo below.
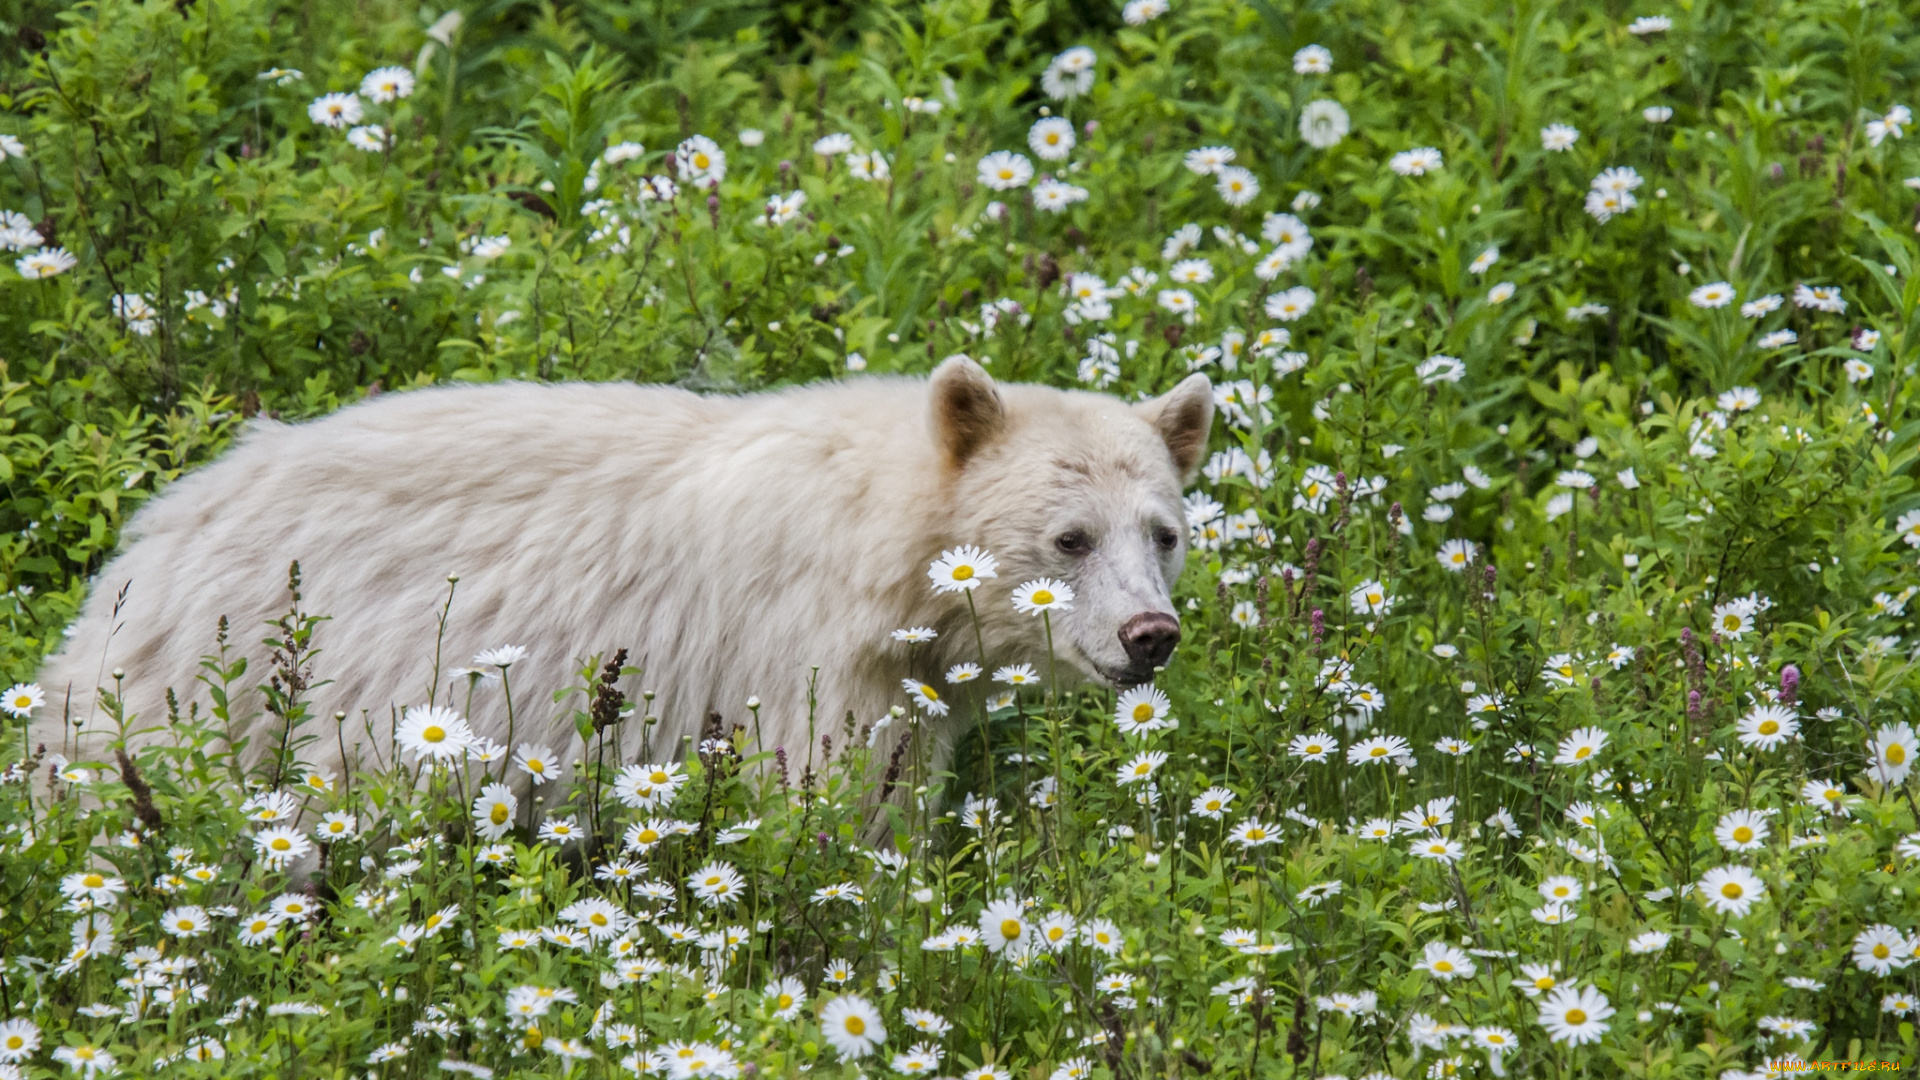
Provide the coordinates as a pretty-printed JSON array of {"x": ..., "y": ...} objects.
[
  {"x": 1184, "y": 418},
  {"x": 967, "y": 412}
]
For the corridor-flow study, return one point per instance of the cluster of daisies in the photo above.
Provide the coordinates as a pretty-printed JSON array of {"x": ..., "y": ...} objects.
[
  {"x": 19, "y": 233},
  {"x": 1568, "y": 1011},
  {"x": 1497, "y": 989},
  {"x": 632, "y": 926},
  {"x": 1323, "y": 124},
  {"x": 344, "y": 110},
  {"x": 1820, "y": 298},
  {"x": 1043, "y": 173}
]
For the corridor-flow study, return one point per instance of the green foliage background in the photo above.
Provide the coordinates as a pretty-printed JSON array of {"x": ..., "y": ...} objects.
[{"x": 159, "y": 157}]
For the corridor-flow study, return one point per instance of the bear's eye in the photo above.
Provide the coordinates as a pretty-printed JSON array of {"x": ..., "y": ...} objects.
[
  {"x": 1165, "y": 537},
  {"x": 1073, "y": 542}
]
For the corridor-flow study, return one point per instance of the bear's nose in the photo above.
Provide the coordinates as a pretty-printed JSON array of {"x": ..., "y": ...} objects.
[{"x": 1149, "y": 638}]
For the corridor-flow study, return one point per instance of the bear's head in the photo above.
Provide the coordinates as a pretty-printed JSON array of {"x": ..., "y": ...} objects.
[{"x": 1082, "y": 488}]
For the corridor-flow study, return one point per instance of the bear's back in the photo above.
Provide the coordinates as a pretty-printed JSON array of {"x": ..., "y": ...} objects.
[{"x": 575, "y": 516}]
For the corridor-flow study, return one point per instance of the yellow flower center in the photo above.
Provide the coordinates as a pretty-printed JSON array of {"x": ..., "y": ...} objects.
[
  {"x": 434, "y": 733},
  {"x": 1576, "y": 1016},
  {"x": 1042, "y": 596},
  {"x": 1378, "y": 751},
  {"x": 1142, "y": 712},
  {"x": 1732, "y": 890},
  {"x": 784, "y": 1001},
  {"x": 1443, "y": 965},
  {"x": 281, "y": 843},
  {"x": 701, "y": 161},
  {"x": 1581, "y": 754},
  {"x": 1731, "y": 622},
  {"x": 93, "y": 881},
  {"x": 499, "y": 814},
  {"x": 856, "y": 1026},
  {"x": 962, "y": 573},
  {"x": 1010, "y": 928},
  {"x": 1881, "y": 952},
  {"x": 1896, "y": 754},
  {"x": 1769, "y": 727},
  {"x": 1742, "y": 834},
  {"x": 648, "y": 836}
]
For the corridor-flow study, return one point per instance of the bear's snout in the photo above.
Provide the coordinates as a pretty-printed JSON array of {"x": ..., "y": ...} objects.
[{"x": 1149, "y": 639}]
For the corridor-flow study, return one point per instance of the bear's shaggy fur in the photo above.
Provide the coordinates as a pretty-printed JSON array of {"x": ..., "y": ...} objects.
[{"x": 731, "y": 544}]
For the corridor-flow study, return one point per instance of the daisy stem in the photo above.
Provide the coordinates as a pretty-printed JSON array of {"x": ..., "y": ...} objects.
[
  {"x": 986, "y": 723},
  {"x": 1053, "y": 666},
  {"x": 440, "y": 639},
  {"x": 507, "y": 689},
  {"x": 461, "y": 786}
]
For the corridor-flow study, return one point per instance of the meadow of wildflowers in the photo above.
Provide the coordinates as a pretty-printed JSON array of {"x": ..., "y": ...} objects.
[{"x": 1546, "y": 701}]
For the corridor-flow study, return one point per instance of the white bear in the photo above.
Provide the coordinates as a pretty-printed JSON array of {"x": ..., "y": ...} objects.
[{"x": 732, "y": 544}]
